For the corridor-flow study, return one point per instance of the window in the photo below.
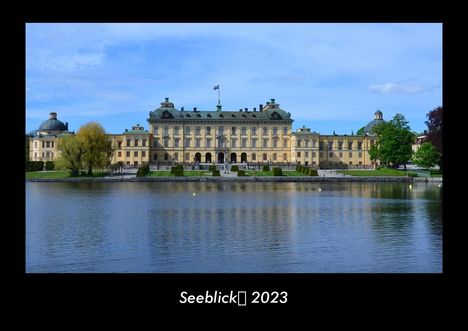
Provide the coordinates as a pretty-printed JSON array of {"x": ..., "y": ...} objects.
[
  {"x": 359, "y": 145},
  {"x": 128, "y": 154},
  {"x": 187, "y": 156},
  {"x": 221, "y": 130},
  {"x": 265, "y": 130},
  {"x": 52, "y": 144},
  {"x": 350, "y": 163},
  {"x": 285, "y": 143},
  {"x": 176, "y": 130},
  {"x": 330, "y": 146},
  {"x": 176, "y": 142},
  {"x": 52, "y": 154},
  {"x": 155, "y": 156},
  {"x": 156, "y": 142},
  {"x": 197, "y": 142},
  {"x": 43, "y": 144},
  {"x": 166, "y": 156},
  {"x": 233, "y": 143},
  {"x": 119, "y": 143},
  {"x": 244, "y": 142},
  {"x": 340, "y": 154},
  {"x": 254, "y": 131},
  {"x": 47, "y": 144},
  {"x": 144, "y": 143},
  {"x": 187, "y": 142},
  {"x": 176, "y": 156},
  {"x": 321, "y": 146},
  {"x": 321, "y": 154},
  {"x": 265, "y": 157},
  {"x": 285, "y": 157},
  {"x": 360, "y": 162},
  {"x": 275, "y": 131},
  {"x": 143, "y": 154},
  {"x": 208, "y": 130},
  {"x": 127, "y": 143},
  {"x": 314, "y": 154},
  {"x": 330, "y": 154},
  {"x": 136, "y": 142},
  {"x": 35, "y": 154},
  {"x": 298, "y": 154},
  {"x": 128, "y": 162},
  {"x": 135, "y": 163},
  {"x": 244, "y": 130},
  {"x": 275, "y": 143},
  {"x": 35, "y": 144},
  {"x": 155, "y": 130},
  {"x": 254, "y": 143},
  {"x": 298, "y": 143},
  {"x": 254, "y": 157},
  {"x": 285, "y": 130},
  {"x": 265, "y": 142},
  {"x": 350, "y": 154},
  {"x": 165, "y": 131},
  {"x": 208, "y": 143},
  {"x": 306, "y": 143},
  {"x": 187, "y": 130},
  {"x": 314, "y": 143},
  {"x": 197, "y": 130},
  {"x": 135, "y": 154},
  {"x": 360, "y": 154},
  {"x": 47, "y": 154},
  {"x": 306, "y": 154},
  {"x": 43, "y": 154},
  {"x": 166, "y": 142},
  {"x": 350, "y": 145},
  {"x": 119, "y": 154},
  {"x": 340, "y": 145},
  {"x": 233, "y": 130},
  {"x": 274, "y": 156}
]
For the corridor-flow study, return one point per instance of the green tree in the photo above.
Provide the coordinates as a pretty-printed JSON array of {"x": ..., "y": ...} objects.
[
  {"x": 435, "y": 125},
  {"x": 71, "y": 156},
  {"x": 360, "y": 132},
  {"x": 97, "y": 150},
  {"x": 427, "y": 156},
  {"x": 393, "y": 144}
]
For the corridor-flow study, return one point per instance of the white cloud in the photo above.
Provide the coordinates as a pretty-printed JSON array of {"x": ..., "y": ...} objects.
[{"x": 390, "y": 88}]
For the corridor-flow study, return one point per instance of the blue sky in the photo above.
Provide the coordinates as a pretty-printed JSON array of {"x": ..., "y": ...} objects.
[{"x": 328, "y": 76}]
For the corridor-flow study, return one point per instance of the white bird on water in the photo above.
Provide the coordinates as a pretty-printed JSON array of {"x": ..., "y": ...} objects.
[
  {"x": 320, "y": 190},
  {"x": 194, "y": 194}
]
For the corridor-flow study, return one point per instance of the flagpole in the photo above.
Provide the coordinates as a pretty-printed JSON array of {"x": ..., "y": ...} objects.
[{"x": 219, "y": 102}]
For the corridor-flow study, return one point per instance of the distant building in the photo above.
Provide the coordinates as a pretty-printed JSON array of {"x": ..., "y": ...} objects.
[
  {"x": 262, "y": 135},
  {"x": 420, "y": 139}
]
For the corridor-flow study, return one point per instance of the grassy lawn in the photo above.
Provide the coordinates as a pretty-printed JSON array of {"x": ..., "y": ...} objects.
[
  {"x": 59, "y": 174},
  {"x": 270, "y": 173},
  {"x": 379, "y": 172}
]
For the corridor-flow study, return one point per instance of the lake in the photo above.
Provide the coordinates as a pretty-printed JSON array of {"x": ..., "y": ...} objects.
[{"x": 96, "y": 227}]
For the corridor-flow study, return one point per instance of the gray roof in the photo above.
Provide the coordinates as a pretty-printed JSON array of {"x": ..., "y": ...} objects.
[
  {"x": 371, "y": 124},
  {"x": 52, "y": 125},
  {"x": 175, "y": 114}
]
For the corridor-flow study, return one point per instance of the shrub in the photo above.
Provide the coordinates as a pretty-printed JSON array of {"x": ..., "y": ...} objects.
[
  {"x": 179, "y": 173},
  {"x": 313, "y": 172},
  {"x": 298, "y": 166},
  {"x": 411, "y": 174},
  {"x": 216, "y": 173},
  {"x": 277, "y": 172},
  {"x": 235, "y": 168},
  {"x": 266, "y": 168},
  {"x": 34, "y": 166},
  {"x": 304, "y": 170},
  {"x": 212, "y": 167},
  {"x": 241, "y": 173},
  {"x": 143, "y": 170},
  {"x": 49, "y": 165}
]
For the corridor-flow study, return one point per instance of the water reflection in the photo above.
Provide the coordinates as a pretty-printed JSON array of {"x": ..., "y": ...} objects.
[{"x": 233, "y": 227}]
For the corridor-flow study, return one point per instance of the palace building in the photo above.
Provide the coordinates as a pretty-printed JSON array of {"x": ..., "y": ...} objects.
[{"x": 262, "y": 135}]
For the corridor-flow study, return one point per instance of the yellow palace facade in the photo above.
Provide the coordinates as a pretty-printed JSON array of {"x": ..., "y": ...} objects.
[{"x": 257, "y": 135}]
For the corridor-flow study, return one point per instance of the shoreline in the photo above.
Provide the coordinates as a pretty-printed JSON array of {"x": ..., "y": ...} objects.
[{"x": 246, "y": 179}]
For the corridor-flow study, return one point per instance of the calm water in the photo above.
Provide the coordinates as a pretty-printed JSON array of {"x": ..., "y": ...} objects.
[{"x": 233, "y": 227}]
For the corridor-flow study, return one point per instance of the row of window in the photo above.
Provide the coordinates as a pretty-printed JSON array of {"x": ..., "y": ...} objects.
[
  {"x": 45, "y": 144},
  {"x": 314, "y": 154},
  {"x": 222, "y": 143},
  {"x": 234, "y": 131},
  {"x": 305, "y": 143},
  {"x": 45, "y": 155},
  {"x": 135, "y": 154},
  {"x": 274, "y": 157},
  {"x": 136, "y": 143}
]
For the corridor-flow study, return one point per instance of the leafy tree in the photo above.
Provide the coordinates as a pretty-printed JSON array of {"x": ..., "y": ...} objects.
[
  {"x": 427, "y": 156},
  {"x": 435, "y": 126},
  {"x": 97, "y": 150},
  {"x": 360, "y": 132},
  {"x": 71, "y": 156},
  {"x": 393, "y": 144}
]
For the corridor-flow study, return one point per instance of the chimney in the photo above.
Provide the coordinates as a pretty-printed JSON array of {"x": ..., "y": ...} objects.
[
  {"x": 167, "y": 99},
  {"x": 272, "y": 100},
  {"x": 194, "y": 108},
  {"x": 182, "y": 109},
  {"x": 218, "y": 108},
  {"x": 254, "y": 109},
  {"x": 66, "y": 126},
  {"x": 260, "y": 107},
  {"x": 246, "y": 109},
  {"x": 52, "y": 116},
  {"x": 268, "y": 103}
]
